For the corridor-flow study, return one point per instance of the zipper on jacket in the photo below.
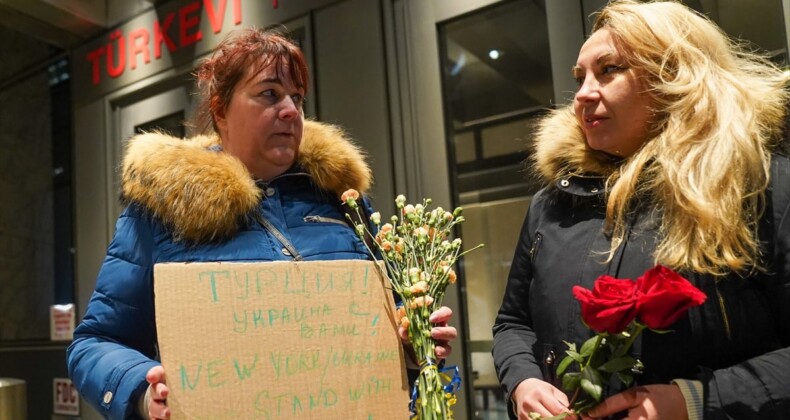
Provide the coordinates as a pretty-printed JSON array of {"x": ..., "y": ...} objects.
[
  {"x": 723, "y": 308},
  {"x": 533, "y": 250},
  {"x": 322, "y": 219},
  {"x": 267, "y": 225}
]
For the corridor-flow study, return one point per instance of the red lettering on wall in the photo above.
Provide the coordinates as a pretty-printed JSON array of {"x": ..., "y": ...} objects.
[
  {"x": 237, "y": 12},
  {"x": 113, "y": 70},
  {"x": 66, "y": 393},
  {"x": 121, "y": 47},
  {"x": 187, "y": 22},
  {"x": 161, "y": 36},
  {"x": 138, "y": 48},
  {"x": 215, "y": 17},
  {"x": 93, "y": 57}
]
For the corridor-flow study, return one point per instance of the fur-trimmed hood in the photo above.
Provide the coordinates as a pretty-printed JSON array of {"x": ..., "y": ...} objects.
[
  {"x": 562, "y": 150},
  {"x": 201, "y": 194}
]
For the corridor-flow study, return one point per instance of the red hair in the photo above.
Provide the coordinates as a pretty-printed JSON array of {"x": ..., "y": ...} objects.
[{"x": 250, "y": 48}]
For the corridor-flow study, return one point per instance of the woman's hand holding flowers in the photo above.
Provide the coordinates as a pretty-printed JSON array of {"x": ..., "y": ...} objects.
[
  {"x": 419, "y": 254},
  {"x": 537, "y": 397},
  {"x": 442, "y": 333},
  {"x": 618, "y": 310},
  {"x": 649, "y": 402}
]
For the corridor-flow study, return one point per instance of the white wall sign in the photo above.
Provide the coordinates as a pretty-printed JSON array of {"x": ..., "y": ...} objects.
[
  {"x": 61, "y": 322},
  {"x": 65, "y": 399}
]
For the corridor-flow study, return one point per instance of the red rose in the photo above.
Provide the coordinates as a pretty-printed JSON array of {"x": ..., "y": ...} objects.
[
  {"x": 610, "y": 306},
  {"x": 664, "y": 296}
]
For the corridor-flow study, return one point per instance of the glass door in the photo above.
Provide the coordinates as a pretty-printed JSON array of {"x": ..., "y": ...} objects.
[
  {"x": 496, "y": 79},
  {"x": 165, "y": 109}
]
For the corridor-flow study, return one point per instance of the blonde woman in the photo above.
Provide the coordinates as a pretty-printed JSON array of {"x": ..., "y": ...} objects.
[{"x": 664, "y": 157}]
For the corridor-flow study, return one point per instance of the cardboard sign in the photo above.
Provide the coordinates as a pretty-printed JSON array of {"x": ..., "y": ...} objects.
[
  {"x": 65, "y": 399},
  {"x": 61, "y": 322},
  {"x": 280, "y": 340}
]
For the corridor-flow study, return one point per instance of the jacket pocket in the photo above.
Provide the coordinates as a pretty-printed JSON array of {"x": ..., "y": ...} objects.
[
  {"x": 324, "y": 219},
  {"x": 548, "y": 363},
  {"x": 535, "y": 247}
]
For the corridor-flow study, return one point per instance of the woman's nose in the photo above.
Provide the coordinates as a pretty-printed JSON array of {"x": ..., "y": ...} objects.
[
  {"x": 288, "y": 110},
  {"x": 589, "y": 90}
]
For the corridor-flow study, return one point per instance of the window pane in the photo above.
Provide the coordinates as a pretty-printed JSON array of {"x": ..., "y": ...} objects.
[
  {"x": 465, "y": 147},
  {"x": 36, "y": 262},
  {"x": 497, "y": 80},
  {"x": 497, "y": 61},
  {"x": 506, "y": 138},
  {"x": 758, "y": 22},
  {"x": 172, "y": 124}
]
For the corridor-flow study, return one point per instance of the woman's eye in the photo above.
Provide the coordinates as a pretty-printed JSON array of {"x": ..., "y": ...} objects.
[
  {"x": 611, "y": 69},
  {"x": 579, "y": 80},
  {"x": 269, "y": 92},
  {"x": 297, "y": 99}
]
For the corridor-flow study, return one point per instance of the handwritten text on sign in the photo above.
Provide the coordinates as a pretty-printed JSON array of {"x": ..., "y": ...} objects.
[{"x": 279, "y": 340}]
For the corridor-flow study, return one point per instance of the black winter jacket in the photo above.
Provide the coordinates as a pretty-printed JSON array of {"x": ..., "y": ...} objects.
[{"x": 737, "y": 343}]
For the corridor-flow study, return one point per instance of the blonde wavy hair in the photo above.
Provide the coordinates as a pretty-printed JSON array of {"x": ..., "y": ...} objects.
[{"x": 719, "y": 109}]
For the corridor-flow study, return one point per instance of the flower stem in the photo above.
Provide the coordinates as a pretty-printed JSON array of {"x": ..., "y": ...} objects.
[
  {"x": 598, "y": 340},
  {"x": 576, "y": 394},
  {"x": 630, "y": 342},
  {"x": 575, "y": 397}
]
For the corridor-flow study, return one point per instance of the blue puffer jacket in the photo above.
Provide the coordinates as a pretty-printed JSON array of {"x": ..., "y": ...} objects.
[{"x": 190, "y": 202}]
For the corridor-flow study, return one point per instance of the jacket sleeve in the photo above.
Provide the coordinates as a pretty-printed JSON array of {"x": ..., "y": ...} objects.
[
  {"x": 514, "y": 338},
  {"x": 759, "y": 388},
  {"x": 115, "y": 343}
]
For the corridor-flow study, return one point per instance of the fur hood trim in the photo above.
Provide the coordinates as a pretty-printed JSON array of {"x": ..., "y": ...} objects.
[
  {"x": 202, "y": 195},
  {"x": 561, "y": 149}
]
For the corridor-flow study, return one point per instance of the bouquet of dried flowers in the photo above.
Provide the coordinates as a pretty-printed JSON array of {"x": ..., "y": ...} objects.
[{"x": 419, "y": 255}]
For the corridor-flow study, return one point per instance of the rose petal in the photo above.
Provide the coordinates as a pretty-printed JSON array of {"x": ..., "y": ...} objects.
[
  {"x": 610, "y": 306},
  {"x": 664, "y": 297}
]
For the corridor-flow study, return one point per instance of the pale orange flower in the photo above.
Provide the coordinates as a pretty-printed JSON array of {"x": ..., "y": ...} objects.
[
  {"x": 420, "y": 231},
  {"x": 404, "y": 322},
  {"x": 431, "y": 232},
  {"x": 350, "y": 194},
  {"x": 421, "y": 301},
  {"x": 419, "y": 288},
  {"x": 451, "y": 276}
]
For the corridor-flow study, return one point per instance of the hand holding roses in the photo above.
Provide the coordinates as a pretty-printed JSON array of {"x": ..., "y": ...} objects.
[{"x": 618, "y": 310}]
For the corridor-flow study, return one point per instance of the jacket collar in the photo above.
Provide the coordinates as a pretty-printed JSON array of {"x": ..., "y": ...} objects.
[
  {"x": 585, "y": 186},
  {"x": 202, "y": 194},
  {"x": 562, "y": 153}
]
